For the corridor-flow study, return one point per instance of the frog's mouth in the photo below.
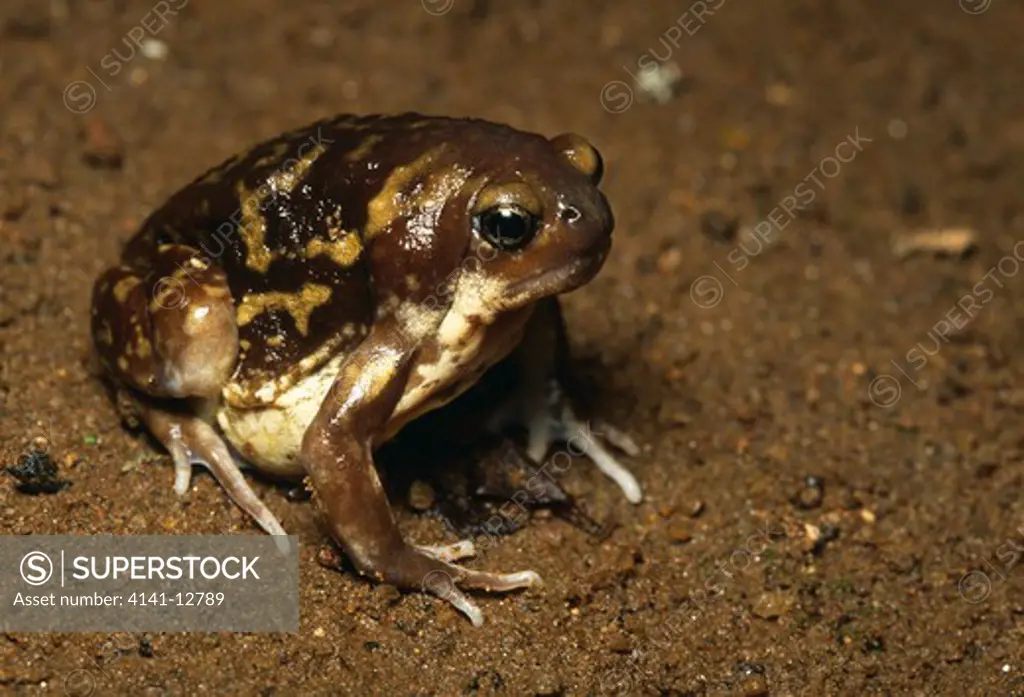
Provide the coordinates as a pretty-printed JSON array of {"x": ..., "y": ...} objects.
[{"x": 549, "y": 282}]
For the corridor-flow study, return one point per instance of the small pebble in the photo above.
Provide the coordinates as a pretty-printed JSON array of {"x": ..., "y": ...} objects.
[
  {"x": 773, "y": 605},
  {"x": 37, "y": 170},
  {"x": 421, "y": 496},
  {"x": 319, "y": 633},
  {"x": 669, "y": 260},
  {"x": 811, "y": 494},
  {"x": 718, "y": 227},
  {"x": 778, "y": 94},
  {"x": 697, "y": 508},
  {"x": 154, "y": 49},
  {"x": 752, "y": 680},
  {"x": 102, "y": 148},
  {"x": 13, "y": 205},
  {"x": 955, "y": 242},
  {"x": 660, "y": 82},
  {"x": 680, "y": 533},
  {"x": 619, "y": 644},
  {"x": 874, "y": 644}
]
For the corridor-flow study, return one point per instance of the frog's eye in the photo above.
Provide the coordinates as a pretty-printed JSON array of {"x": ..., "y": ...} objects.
[{"x": 506, "y": 226}]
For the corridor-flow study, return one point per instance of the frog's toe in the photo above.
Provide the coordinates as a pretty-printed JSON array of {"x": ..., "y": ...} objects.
[
  {"x": 607, "y": 463},
  {"x": 463, "y": 549},
  {"x": 182, "y": 466}
]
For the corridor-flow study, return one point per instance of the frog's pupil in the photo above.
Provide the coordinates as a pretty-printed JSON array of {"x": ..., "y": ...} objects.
[{"x": 507, "y": 228}]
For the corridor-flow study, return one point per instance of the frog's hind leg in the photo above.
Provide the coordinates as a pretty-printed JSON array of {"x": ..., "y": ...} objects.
[
  {"x": 169, "y": 333},
  {"x": 540, "y": 403},
  {"x": 190, "y": 440}
]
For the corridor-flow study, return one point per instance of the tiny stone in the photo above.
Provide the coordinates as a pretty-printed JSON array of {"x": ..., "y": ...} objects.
[
  {"x": 778, "y": 452},
  {"x": 37, "y": 170},
  {"x": 680, "y": 533},
  {"x": 669, "y": 260},
  {"x": 897, "y": 129},
  {"x": 718, "y": 227},
  {"x": 778, "y": 94},
  {"x": 103, "y": 150},
  {"x": 697, "y": 508},
  {"x": 811, "y": 494},
  {"x": 154, "y": 49},
  {"x": 619, "y": 644},
  {"x": 421, "y": 496},
  {"x": 773, "y": 604}
]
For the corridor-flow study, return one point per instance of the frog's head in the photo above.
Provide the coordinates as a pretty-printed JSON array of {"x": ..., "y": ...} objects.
[
  {"x": 540, "y": 225},
  {"x": 500, "y": 217}
]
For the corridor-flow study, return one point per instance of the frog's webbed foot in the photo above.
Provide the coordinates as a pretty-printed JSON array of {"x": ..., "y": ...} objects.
[{"x": 190, "y": 440}]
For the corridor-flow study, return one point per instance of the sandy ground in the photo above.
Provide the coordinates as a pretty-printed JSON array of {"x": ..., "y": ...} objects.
[{"x": 831, "y": 430}]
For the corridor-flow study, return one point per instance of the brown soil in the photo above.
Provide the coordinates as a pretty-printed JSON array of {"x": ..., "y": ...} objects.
[{"x": 783, "y": 362}]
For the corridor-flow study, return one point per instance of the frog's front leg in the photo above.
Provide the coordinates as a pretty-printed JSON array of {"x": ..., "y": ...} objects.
[
  {"x": 337, "y": 454},
  {"x": 544, "y": 406},
  {"x": 169, "y": 333}
]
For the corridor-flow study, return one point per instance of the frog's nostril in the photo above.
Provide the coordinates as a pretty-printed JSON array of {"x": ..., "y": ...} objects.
[{"x": 570, "y": 214}]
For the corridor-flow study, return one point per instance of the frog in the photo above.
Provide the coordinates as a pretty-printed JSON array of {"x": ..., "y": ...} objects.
[{"x": 294, "y": 307}]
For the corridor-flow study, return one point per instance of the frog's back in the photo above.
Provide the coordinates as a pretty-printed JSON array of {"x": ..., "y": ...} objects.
[{"x": 289, "y": 221}]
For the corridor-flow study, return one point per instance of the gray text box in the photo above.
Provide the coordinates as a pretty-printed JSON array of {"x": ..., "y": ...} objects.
[{"x": 148, "y": 583}]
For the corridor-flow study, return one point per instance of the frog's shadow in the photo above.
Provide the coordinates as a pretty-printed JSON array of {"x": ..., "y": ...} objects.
[{"x": 476, "y": 476}]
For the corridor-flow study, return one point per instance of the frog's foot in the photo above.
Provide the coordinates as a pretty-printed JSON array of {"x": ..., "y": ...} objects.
[
  {"x": 446, "y": 580},
  {"x": 190, "y": 440},
  {"x": 443, "y": 582},
  {"x": 552, "y": 419},
  {"x": 432, "y": 565}
]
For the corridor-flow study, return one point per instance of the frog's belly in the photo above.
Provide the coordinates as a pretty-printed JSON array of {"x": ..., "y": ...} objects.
[{"x": 271, "y": 437}]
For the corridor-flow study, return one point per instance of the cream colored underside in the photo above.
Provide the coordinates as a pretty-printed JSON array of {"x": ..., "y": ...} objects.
[{"x": 271, "y": 438}]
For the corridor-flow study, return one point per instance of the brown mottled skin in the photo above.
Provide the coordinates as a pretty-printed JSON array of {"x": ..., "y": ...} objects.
[{"x": 306, "y": 299}]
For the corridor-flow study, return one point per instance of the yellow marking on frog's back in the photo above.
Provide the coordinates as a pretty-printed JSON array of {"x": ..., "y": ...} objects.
[
  {"x": 344, "y": 251},
  {"x": 254, "y": 224},
  {"x": 299, "y": 305},
  {"x": 363, "y": 149},
  {"x": 392, "y": 201},
  {"x": 342, "y": 246},
  {"x": 124, "y": 287}
]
